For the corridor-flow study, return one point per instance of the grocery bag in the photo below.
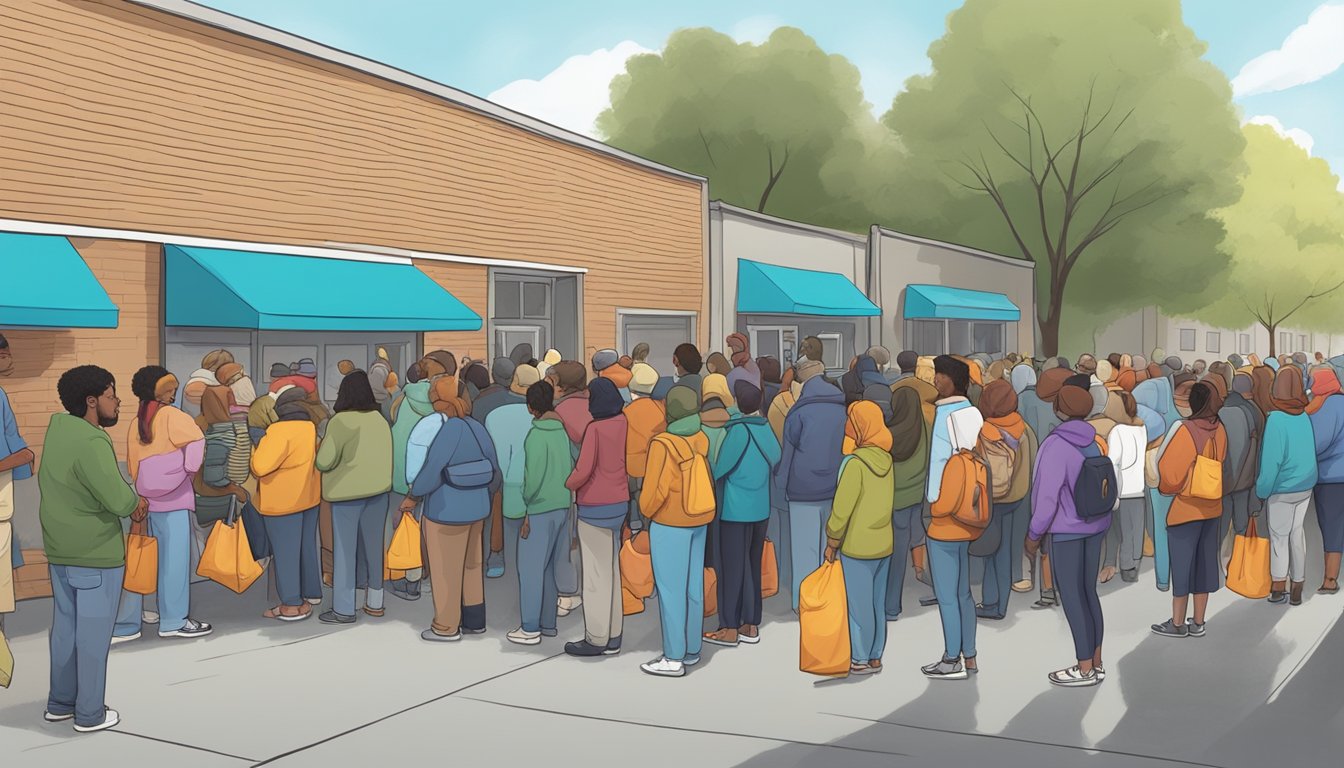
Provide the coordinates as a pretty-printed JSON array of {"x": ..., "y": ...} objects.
[
  {"x": 142, "y": 560},
  {"x": 823, "y": 620},
  {"x": 630, "y": 605},
  {"x": 227, "y": 558},
  {"x": 711, "y": 592},
  {"x": 1248, "y": 570},
  {"x": 637, "y": 566},
  {"x": 769, "y": 571},
  {"x": 403, "y": 554},
  {"x": 6, "y": 661}
]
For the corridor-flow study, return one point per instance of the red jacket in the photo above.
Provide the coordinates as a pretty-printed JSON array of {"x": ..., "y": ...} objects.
[
  {"x": 599, "y": 475},
  {"x": 573, "y": 413},
  {"x": 302, "y": 382}
]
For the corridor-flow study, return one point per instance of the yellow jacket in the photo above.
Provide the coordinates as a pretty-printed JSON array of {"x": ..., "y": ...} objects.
[
  {"x": 285, "y": 463},
  {"x": 661, "y": 498}
]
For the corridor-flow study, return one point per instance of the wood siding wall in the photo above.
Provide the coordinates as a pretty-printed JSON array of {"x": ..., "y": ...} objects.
[
  {"x": 471, "y": 285},
  {"x": 130, "y": 274},
  {"x": 121, "y": 116}
]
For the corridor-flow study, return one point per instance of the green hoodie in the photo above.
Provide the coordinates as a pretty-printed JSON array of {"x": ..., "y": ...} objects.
[
  {"x": 355, "y": 457},
  {"x": 84, "y": 496},
  {"x": 547, "y": 464},
  {"x": 415, "y": 405},
  {"x": 861, "y": 513}
]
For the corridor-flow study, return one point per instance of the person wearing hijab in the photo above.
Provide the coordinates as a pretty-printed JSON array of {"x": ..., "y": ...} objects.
[
  {"x": 910, "y": 457},
  {"x": 522, "y": 354},
  {"x": 922, "y": 384},
  {"x": 1262, "y": 389},
  {"x": 717, "y": 363},
  {"x": 1126, "y": 438},
  {"x": 288, "y": 496},
  {"x": 602, "y": 489},
  {"x": 1326, "y": 412},
  {"x": 164, "y": 451},
  {"x": 549, "y": 360},
  {"x": 771, "y": 381},
  {"x": 1288, "y": 474},
  {"x": 383, "y": 383},
  {"x": 677, "y": 533},
  {"x": 745, "y": 460},
  {"x": 716, "y": 408},
  {"x": 858, "y": 532},
  {"x": 1075, "y": 542},
  {"x": 1192, "y": 520},
  {"x": 744, "y": 367},
  {"x": 1102, "y": 380},
  {"x": 1006, "y": 435}
]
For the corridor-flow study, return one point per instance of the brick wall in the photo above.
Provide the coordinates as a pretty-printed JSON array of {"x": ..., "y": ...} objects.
[{"x": 130, "y": 273}]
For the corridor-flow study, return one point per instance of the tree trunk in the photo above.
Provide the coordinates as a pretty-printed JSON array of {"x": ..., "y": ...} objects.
[
  {"x": 1272, "y": 338},
  {"x": 1049, "y": 336}
]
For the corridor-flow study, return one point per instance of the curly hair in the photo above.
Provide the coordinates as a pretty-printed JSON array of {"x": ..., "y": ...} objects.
[{"x": 78, "y": 384}]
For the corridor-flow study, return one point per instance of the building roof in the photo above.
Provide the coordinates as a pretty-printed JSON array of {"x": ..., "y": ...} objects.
[
  {"x": 1024, "y": 263},
  {"x": 302, "y": 45},
  {"x": 743, "y": 213}
]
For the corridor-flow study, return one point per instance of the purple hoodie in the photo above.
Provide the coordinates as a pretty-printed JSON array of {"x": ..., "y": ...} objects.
[{"x": 1058, "y": 463}]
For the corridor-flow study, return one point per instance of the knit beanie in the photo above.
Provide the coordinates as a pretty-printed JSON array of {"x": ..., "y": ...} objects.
[{"x": 643, "y": 378}]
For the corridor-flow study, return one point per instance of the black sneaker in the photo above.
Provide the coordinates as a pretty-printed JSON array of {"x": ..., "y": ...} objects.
[
  {"x": 945, "y": 669},
  {"x": 191, "y": 628},
  {"x": 1169, "y": 628},
  {"x": 584, "y": 649},
  {"x": 1194, "y": 630},
  {"x": 332, "y": 617},
  {"x": 406, "y": 594},
  {"x": 613, "y": 647},
  {"x": 1129, "y": 577}
]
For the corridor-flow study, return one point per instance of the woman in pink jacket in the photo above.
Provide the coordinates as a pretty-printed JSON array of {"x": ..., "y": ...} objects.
[
  {"x": 602, "y": 488},
  {"x": 163, "y": 453}
]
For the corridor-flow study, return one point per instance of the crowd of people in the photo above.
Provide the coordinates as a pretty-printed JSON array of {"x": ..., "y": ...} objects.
[{"x": 1052, "y": 476}]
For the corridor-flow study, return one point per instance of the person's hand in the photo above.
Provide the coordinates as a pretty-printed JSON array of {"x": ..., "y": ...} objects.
[
  {"x": 1032, "y": 547},
  {"x": 141, "y": 510},
  {"x": 526, "y": 529},
  {"x": 241, "y": 495},
  {"x": 830, "y": 554},
  {"x": 407, "y": 506}
]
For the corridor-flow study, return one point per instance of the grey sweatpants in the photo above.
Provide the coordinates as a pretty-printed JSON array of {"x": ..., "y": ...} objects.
[{"x": 1124, "y": 539}]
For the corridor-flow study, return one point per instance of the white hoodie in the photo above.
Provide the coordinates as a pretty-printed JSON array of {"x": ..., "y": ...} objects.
[
  {"x": 953, "y": 430},
  {"x": 1126, "y": 446}
]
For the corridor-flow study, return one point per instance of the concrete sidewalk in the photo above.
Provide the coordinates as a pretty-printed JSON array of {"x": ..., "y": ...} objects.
[{"x": 1263, "y": 686}]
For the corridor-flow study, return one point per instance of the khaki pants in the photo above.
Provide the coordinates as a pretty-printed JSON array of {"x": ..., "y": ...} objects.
[
  {"x": 455, "y": 572},
  {"x": 603, "y": 612},
  {"x": 6, "y": 542}
]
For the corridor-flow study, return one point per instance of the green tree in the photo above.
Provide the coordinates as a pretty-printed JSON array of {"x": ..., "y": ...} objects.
[
  {"x": 1087, "y": 136},
  {"x": 1285, "y": 238},
  {"x": 760, "y": 121}
]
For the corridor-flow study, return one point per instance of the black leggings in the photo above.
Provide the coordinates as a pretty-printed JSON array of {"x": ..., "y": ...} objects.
[
  {"x": 740, "y": 546},
  {"x": 1075, "y": 565}
]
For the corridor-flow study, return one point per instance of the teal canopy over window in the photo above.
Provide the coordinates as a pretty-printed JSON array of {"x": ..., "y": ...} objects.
[
  {"x": 214, "y": 288},
  {"x": 767, "y": 289},
  {"x": 48, "y": 285},
  {"x": 943, "y": 302}
]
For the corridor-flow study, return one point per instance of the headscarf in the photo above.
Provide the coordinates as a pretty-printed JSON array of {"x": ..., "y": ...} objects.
[
  {"x": 907, "y": 423},
  {"x": 924, "y": 369},
  {"x": 289, "y": 405},
  {"x": 1023, "y": 377},
  {"x": 1074, "y": 399},
  {"x": 717, "y": 363},
  {"x": 570, "y": 375},
  {"x": 864, "y": 428},
  {"x": 998, "y": 404},
  {"x": 446, "y": 399},
  {"x": 1288, "y": 393},
  {"x": 1205, "y": 403},
  {"x": 741, "y": 349},
  {"x": 604, "y": 401},
  {"x": 216, "y": 403},
  {"x": 715, "y": 386},
  {"x": 1324, "y": 383},
  {"x": 1262, "y": 389},
  {"x": 682, "y": 403},
  {"x": 1050, "y": 382},
  {"x": 771, "y": 372},
  {"x": 618, "y": 375}
]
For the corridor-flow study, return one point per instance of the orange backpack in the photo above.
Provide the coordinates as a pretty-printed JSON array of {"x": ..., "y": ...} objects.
[
  {"x": 696, "y": 483},
  {"x": 964, "y": 492}
]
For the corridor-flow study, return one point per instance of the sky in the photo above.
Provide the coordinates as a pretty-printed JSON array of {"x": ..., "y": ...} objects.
[{"x": 554, "y": 61}]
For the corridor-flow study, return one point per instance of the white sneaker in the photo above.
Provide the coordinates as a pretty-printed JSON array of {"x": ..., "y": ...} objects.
[
  {"x": 50, "y": 718},
  {"x": 119, "y": 639},
  {"x": 664, "y": 667},
  {"x": 1073, "y": 677},
  {"x": 568, "y": 604},
  {"x": 190, "y": 629},
  {"x": 109, "y": 720},
  {"x": 149, "y": 617},
  {"x": 523, "y": 637},
  {"x": 314, "y": 601}
]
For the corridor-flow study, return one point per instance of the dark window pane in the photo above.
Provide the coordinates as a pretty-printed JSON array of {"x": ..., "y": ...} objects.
[
  {"x": 928, "y": 337},
  {"x": 535, "y": 302},
  {"x": 508, "y": 299},
  {"x": 988, "y": 338},
  {"x": 959, "y": 337}
]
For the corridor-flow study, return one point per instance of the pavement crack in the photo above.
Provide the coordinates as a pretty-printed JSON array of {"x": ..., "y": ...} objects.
[
  {"x": 123, "y": 732},
  {"x": 265, "y": 647},
  {"x": 411, "y": 708},
  {"x": 685, "y": 729}
]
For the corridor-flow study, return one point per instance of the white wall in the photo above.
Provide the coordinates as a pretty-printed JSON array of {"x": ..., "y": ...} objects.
[{"x": 1142, "y": 330}]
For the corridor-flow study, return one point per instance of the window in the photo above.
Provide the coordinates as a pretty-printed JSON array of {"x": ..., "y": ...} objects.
[
  {"x": 274, "y": 353},
  {"x": 1301, "y": 343},
  {"x": 1285, "y": 341},
  {"x": 1187, "y": 339},
  {"x": 832, "y": 351},
  {"x": 1213, "y": 342},
  {"x": 535, "y": 299},
  {"x": 926, "y": 336},
  {"x": 1244, "y": 344},
  {"x": 987, "y": 338},
  {"x": 508, "y": 299},
  {"x": 331, "y": 360},
  {"x": 958, "y": 337}
]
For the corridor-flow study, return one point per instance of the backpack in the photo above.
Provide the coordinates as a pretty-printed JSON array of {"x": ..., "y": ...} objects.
[
  {"x": 469, "y": 474},
  {"x": 694, "y": 477},
  {"x": 1250, "y": 465},
  {"x": 1097, "y": 491},
  {"x": 1206, "y": 475},
  {"x": 1002, "y": 461},
  {"x": 963, "y": 493}
]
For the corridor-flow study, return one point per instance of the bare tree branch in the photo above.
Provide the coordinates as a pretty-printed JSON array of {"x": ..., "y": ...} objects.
[
  {"x": 988, "y": 186},
  {"x": 775, "y": 173},
  {"x": 1315, "y": 294},
  {"x": 708, "y": 153}
]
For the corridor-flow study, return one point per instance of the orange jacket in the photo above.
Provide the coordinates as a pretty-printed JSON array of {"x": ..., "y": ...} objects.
[
  {"x": 645, "y": 417},
  {"x": 285, "y": 463},
  {"x": 661, "y": 500},
  {"x": 1173, "y": 470}
]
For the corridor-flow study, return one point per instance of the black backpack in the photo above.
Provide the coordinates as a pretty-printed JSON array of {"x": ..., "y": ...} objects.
[{"x": 1096, "y": 492}]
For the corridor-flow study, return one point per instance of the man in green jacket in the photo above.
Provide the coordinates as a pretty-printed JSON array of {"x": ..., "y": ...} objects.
[{"x": 84, "y": 498}]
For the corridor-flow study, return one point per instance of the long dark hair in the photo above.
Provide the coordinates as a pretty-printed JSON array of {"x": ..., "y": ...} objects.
[
  {"x": 355, "y": 393},
  {"x": 143, "y": 384}
]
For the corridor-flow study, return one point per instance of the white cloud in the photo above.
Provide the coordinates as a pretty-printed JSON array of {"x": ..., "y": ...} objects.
[
  {"x": 575, "y": 92},
  {"x": 1298, "y": 136},
  {"x": 1308, "y": 54},
  {"x": 755, "y": 29}
]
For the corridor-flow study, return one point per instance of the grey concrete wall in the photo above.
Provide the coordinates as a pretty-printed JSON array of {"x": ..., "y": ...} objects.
[{"x": 900, "y": 260}]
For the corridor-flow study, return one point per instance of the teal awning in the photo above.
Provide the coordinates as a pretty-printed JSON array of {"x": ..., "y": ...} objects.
[
  {"x": 766, "y": 289},
  {"x": 211, "y": 288},
  {"x": 48, "y": 285},
  {"x": 940, "y": 301}
]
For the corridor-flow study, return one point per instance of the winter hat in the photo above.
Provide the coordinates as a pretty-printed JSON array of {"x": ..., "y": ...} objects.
[
  {"x": 1073, "y": 400},
  {"x": 307, "y": 368},
  {"x": 229, "y": 373},
  {"x": 1105, "y": 371},
  {"x": 279, "y": 370},
  {"x": 641, "y": 352},
  {"x": 218, "y": 357},
  {"x": 524, "y": 376},
  {"x": 345, "y": 367},
  {"x": 1050, "y": 382},
  {"x": 1087, "y": 364},
  {"x": 717, "y": 363},
  {"x": 570, "y": 375},
  {"x": 289, "y": 405},
  {"x": 907, "y": 361},
  {"x": 604, "y": 359},
  {"x": 682, "y": 402},
  {"x": 748, "y": 397},
  {"x": 643, "y": 378},
  {"x": 477, "y": 376},
  {"x": 1173, "y": 364},
  {"x": 604, "y": 401},
  {"x": 880, "y": 355},
  {"x": 521, "y": 353},
  {"x": 808, "y": 369},
  {"x": 502, "y": 370}
]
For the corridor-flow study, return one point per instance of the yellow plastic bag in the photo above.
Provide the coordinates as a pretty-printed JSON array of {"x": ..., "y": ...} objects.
[
  {"x": 823, "y": 620},
  {"x": 769, "y": 571},
  {"x": 403, "y": 554},
  {"x": 637, "y": 566},
  {"x": 227, "y": 558},
  {"x": 630, "y": 605},
  {"x": 142, "y": 561},
  {"x": 6, "y": 661},
  {"x": 1248, "y": 570}
]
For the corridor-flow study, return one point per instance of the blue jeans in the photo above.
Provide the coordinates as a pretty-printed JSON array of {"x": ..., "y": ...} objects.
[
  {"x": 539, "y": 557},
  {"x": 866, "y": 594},
  {"x": 950, "y": 567},
  {"x": 1075, "y": 565},
  {"x": 996, "y": 587},
  {"x": 85, "y": 606},
  {"x": 1158, "y": 506},
  {"x": 903, "y": 523},
  {"x": 173, "y": 530},
  {"x": 807, "y": 539},
  {"x": 356, "y": 522},
  {"x": 294, "y": 557},
  {"x": 678, "y": 556}
]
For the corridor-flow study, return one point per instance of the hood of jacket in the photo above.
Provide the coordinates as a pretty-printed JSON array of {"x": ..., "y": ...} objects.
[
  {"x": 965, "y": 422},
  {"x": 549, "y": 422},
  {"x": 417, "y": 397},
  {"x": 876, "y": 459},
  {"x": 818, "y": 390},
  {"x": 1077, "y": 433},
  {"x": 1153, "y": 398}
]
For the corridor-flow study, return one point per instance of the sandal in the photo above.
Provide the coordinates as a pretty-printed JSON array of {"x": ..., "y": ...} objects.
[
  {"x": 278, "y": 614},
  {"x": 1324, "y": 590},
  {"x": 861, "y": 669},
  {"x": 720, "y": 637},
  {"x": 374, "y": 612}
]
